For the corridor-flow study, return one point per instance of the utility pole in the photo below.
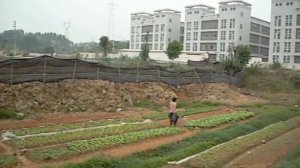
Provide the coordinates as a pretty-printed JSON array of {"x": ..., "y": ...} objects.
[
  {"x": 15, "y": 37},
  {"x": 110, "y": 27}
]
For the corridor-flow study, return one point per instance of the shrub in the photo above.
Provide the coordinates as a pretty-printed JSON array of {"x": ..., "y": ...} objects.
[{"x": 276, "y": 65}]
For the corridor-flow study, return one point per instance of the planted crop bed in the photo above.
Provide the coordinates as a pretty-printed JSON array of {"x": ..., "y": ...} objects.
[
  {"x": 37, "y": 141},
  {"x": 219, "y": 120},
  {"x": 56, "y": 128},
  {"x": 82, "y": 146}
]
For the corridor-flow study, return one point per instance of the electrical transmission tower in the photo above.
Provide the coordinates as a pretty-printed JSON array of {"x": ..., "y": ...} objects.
[
  {"x": 15, "y": 37},
  {"x": 111, "y": 26},
  {"x": 67, "y": 26}
]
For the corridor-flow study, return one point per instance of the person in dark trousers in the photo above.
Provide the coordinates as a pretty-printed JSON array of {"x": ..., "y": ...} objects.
[{"x": 172, "y": 113}]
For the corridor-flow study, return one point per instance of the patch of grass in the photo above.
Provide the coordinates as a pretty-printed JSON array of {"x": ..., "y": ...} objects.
[
  {"x": 7, "y": 161},
  {"x": 147, "y": 105},
  {"x": 274, "y": 81},
  {"x": 291, "y": 161},
  {"x": 198, "y": 143},
  {"x": 8, "y": 114}
]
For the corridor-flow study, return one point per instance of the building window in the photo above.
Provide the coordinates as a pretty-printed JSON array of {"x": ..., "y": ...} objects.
[
  {"x": 187, "y": 47},
  {"x": 195, "y": 47},
  {"x": 162, "y": 28},
  {"x": 277, "y": 20},
  {"x": 276, "y": 47},
  {"x": 287, "y": 47},
  {"x": 163, "y": 15},
  {"x": 137, "y": 47},
  {"x": 189, "y": 26},
  {"x": 188, "y": 36},
  {"x": 223, "y": 35},
  {"x": 275, "y": 58},
  {"x": 297, "y": 47},
  {"x": 170, "y": 20},
  {"x": 162, "y": 37},
  {"x": 156, "y": 37},
  {"x": 156, "y": 46},
  {"x": 222, "y": 57},
  {"x": 223, "y": 24},
  {"x": 132, "y": 46},
  {"x": 138, "y": 29},
  {"x": 195, "y": 35},
  {"x": 231, "y": 35},
  {"x": 196, "y": 25},
  {"x": 138, "y": 38},
  {"x": 232, "y": 23},
  {"x": 277, "y": 33},
  {"x": 161, "y": 46},
  {"x": 286, "y": 59},
  {"x": 169, "y": 40},
  {"x": 288, "y": 20},
  {"x": 132, "y": 29},
  {"x": 242, "y": 14},
  {"x": 241, "y": 38},
  {"x": 288, "y": 33},
  {"x": 157, "y": 28},
  {"x": 170, "y": 30},
  {"x": 241, "y": 26},
  {"x": 222, "y": 47}
]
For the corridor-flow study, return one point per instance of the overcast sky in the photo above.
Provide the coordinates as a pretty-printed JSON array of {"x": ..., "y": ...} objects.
[{"x": 89, "y": 18}]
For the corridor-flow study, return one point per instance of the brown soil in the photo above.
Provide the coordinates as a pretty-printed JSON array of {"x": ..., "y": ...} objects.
[
  {"x": 266, "y": 155},
  {"x": 148, "y": 144},
  {"x": 65, "y": 118},
  {"x": 124, "y": 150},
  {"x": 4, "y": 149}
]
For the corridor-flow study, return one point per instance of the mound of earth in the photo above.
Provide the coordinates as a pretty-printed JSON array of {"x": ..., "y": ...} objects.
[{"x": 104, "y": 96}]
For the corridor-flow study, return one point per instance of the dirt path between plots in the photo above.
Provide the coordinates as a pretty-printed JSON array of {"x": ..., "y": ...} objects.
[
  {"x": 62, "y": 118},
  {"x": 268, "y": 154},
  {"x": 125, "y": 150},
  {"x": 128, "y": 149}
]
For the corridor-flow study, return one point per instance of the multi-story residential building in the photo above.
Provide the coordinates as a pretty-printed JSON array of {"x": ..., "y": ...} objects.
[
  {"x": 285, "y": 33},
  {"x": 160, "y": 28},
  {"x": 219, "y": 34}
]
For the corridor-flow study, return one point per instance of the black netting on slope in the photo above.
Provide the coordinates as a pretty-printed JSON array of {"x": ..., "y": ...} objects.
[{"x": 49, "y": 69}]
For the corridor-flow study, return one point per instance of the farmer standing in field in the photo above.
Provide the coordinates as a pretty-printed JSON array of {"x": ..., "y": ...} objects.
[{"x": 172, "y": 113}]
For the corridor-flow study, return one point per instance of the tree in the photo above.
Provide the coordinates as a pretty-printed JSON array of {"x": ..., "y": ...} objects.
[
  {"x": 243, "y": 55},
  {"x": 144, "y": 54},
  {"x": 104, "y": 42},
  {"x": 237, "y": 60},
  {"x": 174, "y": 50}
]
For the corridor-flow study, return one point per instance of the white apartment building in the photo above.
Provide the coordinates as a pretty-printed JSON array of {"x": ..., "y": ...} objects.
[
  {"x": 219, "y": 34},
  {"x": 285, "y": 33},
  {"x": 161, "y": 28}
]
